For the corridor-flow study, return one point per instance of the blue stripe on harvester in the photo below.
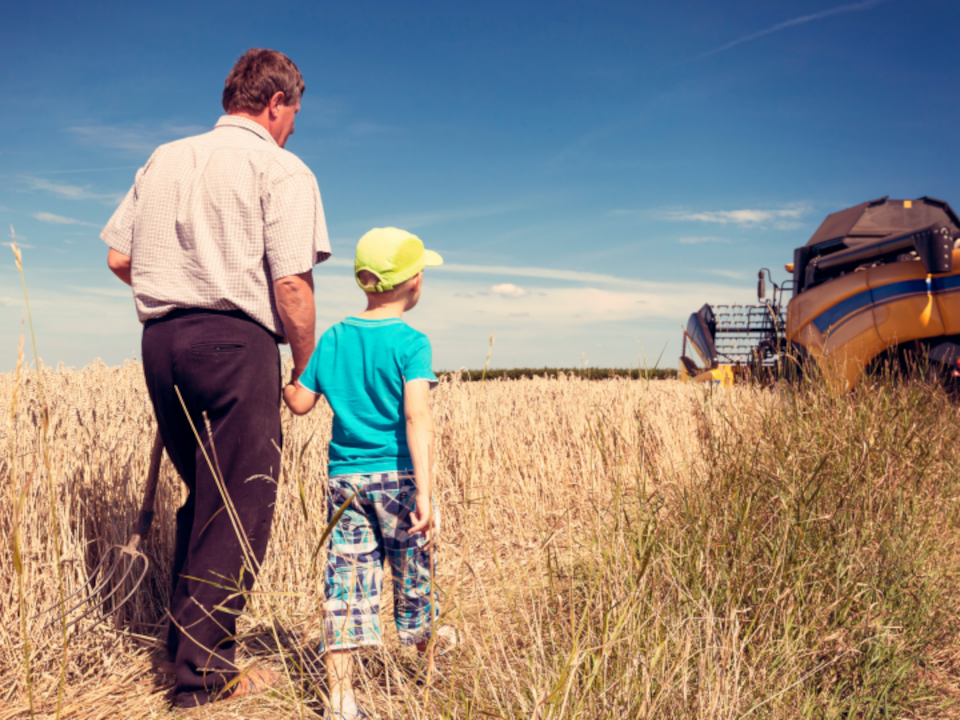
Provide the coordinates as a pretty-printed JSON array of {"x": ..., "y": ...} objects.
[
  {"x": 904, "y": 287},
  {"x": 950, "y": 282},
  {"x": 833, "y": 315}
]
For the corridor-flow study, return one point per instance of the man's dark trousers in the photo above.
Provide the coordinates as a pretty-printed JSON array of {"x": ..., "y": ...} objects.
[{"x": 227, "y": 366}]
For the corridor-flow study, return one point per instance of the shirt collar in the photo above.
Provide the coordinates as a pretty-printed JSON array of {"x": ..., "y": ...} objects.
[{"x": 246, "y": 124}]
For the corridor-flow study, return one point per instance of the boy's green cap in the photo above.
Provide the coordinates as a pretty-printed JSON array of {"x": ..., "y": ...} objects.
[{"x": 393, "y": 255}]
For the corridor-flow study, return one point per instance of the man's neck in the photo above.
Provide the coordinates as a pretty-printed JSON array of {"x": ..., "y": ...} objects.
[{"x": 263, "y": 119}]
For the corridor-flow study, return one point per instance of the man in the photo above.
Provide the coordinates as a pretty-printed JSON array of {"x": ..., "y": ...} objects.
[{"x": 218, "y": 238}]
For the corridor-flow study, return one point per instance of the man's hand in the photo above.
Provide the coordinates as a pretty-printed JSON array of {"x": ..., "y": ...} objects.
[
  {"x": 294, "y": 295},
  {"x": 120, "y": 265}
]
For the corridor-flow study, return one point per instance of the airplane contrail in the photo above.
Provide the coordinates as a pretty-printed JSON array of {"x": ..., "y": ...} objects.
[{"x": 851, "y": 7}]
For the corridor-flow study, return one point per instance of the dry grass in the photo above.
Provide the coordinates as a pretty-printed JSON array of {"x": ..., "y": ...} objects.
[{"x": 608, "y": 549}]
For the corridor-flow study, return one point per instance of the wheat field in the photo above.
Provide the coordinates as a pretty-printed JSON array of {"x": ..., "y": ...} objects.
[{"x": 608, "y": 549}]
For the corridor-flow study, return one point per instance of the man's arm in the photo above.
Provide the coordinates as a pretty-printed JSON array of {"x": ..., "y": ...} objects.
[
  {"x": 119, "y": 264},
  {"x": 294, "y": 294},
  {"x": 416, "y": 405}
]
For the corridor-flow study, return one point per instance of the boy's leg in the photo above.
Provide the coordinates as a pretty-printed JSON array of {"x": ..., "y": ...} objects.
[
  {"x": 340, "y": 679},
  {"x": 411, "y": 560},
  {"x": 353, "y": 582}
]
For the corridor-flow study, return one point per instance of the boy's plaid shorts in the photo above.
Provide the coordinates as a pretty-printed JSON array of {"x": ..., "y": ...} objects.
[{"x": 374, "y": 527}]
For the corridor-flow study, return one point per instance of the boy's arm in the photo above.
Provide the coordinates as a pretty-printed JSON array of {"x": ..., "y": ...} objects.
[
  {"x": 416, "y": 405},
  {"x": 299, "y": 399}
]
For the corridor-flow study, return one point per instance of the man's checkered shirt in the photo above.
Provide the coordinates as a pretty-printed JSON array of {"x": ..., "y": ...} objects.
[{"x": 213, "y": 220}]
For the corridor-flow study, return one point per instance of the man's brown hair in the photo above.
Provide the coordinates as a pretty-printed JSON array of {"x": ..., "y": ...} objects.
[{"x": 257, "y": 77}]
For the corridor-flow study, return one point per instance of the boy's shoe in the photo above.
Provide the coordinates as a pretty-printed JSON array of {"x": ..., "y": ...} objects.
[
  {"x": 352, "y": 711},
  {"x": 446, "y": 639},
  {"x": 337, "y": 715}
]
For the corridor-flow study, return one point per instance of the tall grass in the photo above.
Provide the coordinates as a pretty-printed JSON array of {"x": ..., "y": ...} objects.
[
  {"x": 18, "y": 494},
  {"x": 608, "y": 549},
  {"x": 807, "y": 572},
  {"x": 45, "y": 453}
]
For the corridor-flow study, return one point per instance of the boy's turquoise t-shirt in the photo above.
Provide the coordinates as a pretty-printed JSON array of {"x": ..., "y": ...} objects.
[{"x": 361, "y": 367}]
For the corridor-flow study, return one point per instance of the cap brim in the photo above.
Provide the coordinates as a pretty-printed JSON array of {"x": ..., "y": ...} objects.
[{"x": 431, "y": 259}]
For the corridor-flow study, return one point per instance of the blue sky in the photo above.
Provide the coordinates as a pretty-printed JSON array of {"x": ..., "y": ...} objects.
[{"x": 591, "y": 172}]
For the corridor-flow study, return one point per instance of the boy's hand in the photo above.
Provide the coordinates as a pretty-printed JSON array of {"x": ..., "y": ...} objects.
[
  {"x": 289, "y": 393},
  {"x": 298, "y": 399},
  {"x": 422, "y": 517}
]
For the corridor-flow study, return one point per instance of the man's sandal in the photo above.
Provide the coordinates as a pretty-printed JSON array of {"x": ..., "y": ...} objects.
[{"x": 249, "y": 682}]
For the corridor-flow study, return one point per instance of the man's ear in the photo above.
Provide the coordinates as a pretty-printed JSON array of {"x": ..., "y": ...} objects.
[{"x": 275, "y": 102}]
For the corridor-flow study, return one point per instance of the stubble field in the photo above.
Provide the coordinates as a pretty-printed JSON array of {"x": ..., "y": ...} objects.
[{"x": 608, "y": 549}]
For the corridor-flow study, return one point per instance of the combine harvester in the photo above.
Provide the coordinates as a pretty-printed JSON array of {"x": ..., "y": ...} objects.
[{"x": 877, "y": 281}]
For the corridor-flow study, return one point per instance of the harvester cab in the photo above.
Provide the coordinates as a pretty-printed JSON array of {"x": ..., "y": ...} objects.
[{"x": 876, "y": 280}]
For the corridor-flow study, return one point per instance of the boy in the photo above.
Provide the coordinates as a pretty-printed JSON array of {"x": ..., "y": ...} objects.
[{"x": 375, "y": 372}]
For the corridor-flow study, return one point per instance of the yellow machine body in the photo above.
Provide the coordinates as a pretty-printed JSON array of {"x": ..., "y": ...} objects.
[
  {"x": 721, "y": 376},
  {"x": 847, "y": 322}
]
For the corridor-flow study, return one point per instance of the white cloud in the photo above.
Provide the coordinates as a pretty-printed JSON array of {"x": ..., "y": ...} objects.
[
  {"x": 445, "y": 216},
  {"x": 335, "y": 261},
  {"x": 508, "y": 290},
  {"x": 703, "y": 239},
  {"x": 737, "y": 217},
  {"x": 72, "y": 192},
  {"x": 138, "y": 139},
  {"x": 504, "y": 289},
  {"x": 786, "y": 217},
  {"x": 533, "y": 272},
  {"x": 60, "y": 219},
  {"x": 112, "y": 292},
  {"x": 548, "y": 273},
  {"x": 732, "y": 274},
  {"x": 84, "y": 170}
]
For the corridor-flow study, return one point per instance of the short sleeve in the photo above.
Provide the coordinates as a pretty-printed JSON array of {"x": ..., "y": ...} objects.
[
  {"x": 419, "y": 362},
  {"x": 294, "y": 227},
  {"x": 310, "y": 378},
  {"x": 118, "y": 233}
]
